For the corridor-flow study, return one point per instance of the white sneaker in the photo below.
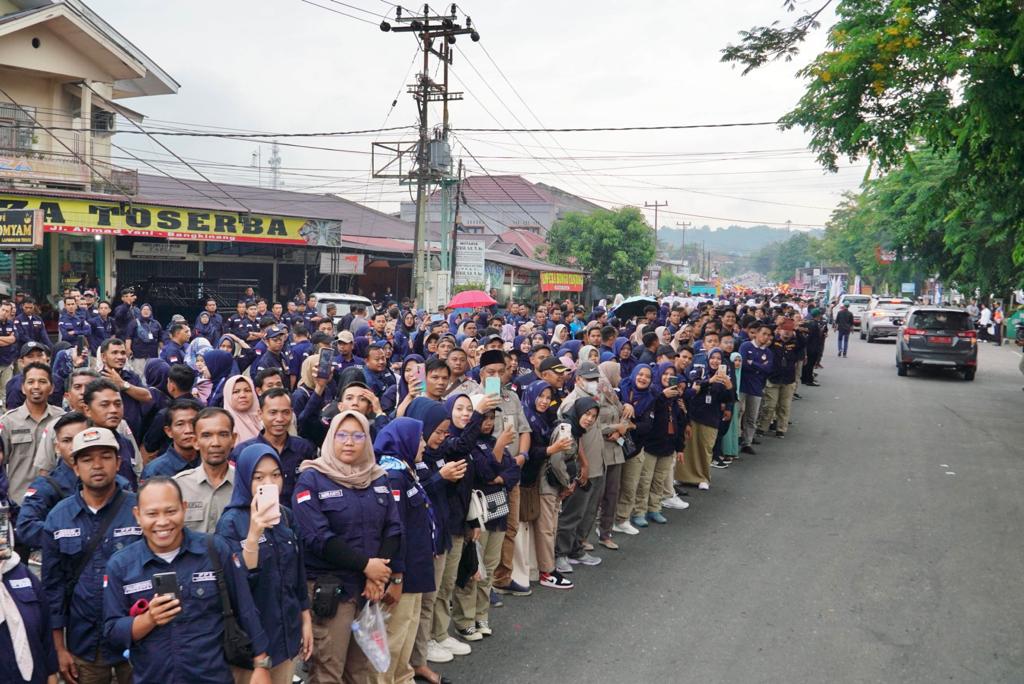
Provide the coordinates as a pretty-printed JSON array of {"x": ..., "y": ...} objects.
[
  {"x": 675, "y": 502},
  {"x": 704, "y": 485},
  {"x": 562, "y": 565},
  {"x": 625, "y": 528},
  {"x": 437, "y": 653},
  {"x": 455, "y": 647}
]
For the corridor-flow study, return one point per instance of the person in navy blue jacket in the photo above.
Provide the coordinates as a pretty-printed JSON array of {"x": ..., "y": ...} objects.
[
  {"x": 494, "y": 471},
  {"x": 143, "y": 338},
  {"x": 758, "y": 363},
  {"x": 46, "y": 491},
  {"x": 399, "y": 447},
  {"x": 276, "y": 416},
  {"x": 177, "y": 637},
  {"x": 24, "y": 593},
  {"x": 29, "y": 327},
  {"x": 101, "y": 326},
  {"x": 181, "y": 454},
  {"x": 350, "y": 530},
  {"x": 71, "y": 325},
  {"x": 75, "y": 605},
  {"x": 269, "y": 546},
  {"x": 708, "y": 391},
  {"x": 213, "y": 326}
]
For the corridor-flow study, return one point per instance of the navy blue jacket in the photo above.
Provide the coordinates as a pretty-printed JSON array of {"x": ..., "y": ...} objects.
[
  {"x": 27, "y": 593},
  {"x": 487, "y": 468},
  {"x": 704, "y": 402},
  {"x": 168, "y": 464},
  {"x": 172, "y": 353},
  {"x": 68, "y": 529},
  {"x": 40, "y": 498},
  {"x": 9, "y": 354},
  {"x": 212, "y": 330},
  {"x": 757, "y": 365},
  {"x": 100, "y": 330},
  {"x": 124, "y": 316},
  {"x": 296, "y": 450},
  {"x": 415, "y": 558},
  {"x": 278, "y": 584},
  {"x": 145, "y": 336},
  {"x": 189, "y": 649},
  {"x": 71, "y": 327},
  {"x": 268, "y": 360},
  {"x": 31, "y": 328},
  {"x": 365, "y": 519},
  {"x": 457, "y": 448},
  {"x": 785, "y": 356}
]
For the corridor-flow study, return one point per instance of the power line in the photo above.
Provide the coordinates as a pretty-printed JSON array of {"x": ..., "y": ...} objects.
[
  {"x": 502, "y": 187},
  {"x": 344, "y": 14},
  {"x": 205, "y": 134},
  {"x": 175, "y": 154},
  {"x": 605, "y": 129},
  {"x": 63, "y": 144}
]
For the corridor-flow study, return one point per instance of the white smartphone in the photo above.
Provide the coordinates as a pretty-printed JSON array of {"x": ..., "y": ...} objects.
[{"x": 268, "y": 497}]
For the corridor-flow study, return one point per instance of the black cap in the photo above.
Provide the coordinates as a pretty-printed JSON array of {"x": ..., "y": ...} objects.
[
  {"x": 553, "y": 364},
  {"x": 32, "y": 346},
  {"x": 666, "y": 350}
]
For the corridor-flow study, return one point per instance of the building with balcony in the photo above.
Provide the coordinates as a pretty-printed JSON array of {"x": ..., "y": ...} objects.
[{"x": 64, "y": 75}]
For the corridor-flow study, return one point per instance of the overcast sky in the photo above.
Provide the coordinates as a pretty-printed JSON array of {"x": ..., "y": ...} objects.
[{"x": 286, "y": 66}]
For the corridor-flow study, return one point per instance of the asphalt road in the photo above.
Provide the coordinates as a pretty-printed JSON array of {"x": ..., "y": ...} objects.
[{"x": 879, "y": 542}]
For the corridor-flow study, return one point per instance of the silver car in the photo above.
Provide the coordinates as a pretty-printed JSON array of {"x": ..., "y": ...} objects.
[{"x": 884, "y": 318}]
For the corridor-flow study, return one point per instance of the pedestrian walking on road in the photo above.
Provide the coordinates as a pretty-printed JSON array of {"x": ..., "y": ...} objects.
[{"x": 843, "y": 326}]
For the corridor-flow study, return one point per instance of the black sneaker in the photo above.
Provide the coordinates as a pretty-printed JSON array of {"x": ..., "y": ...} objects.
[
  {"x": 719, "y": 463},
  {"x": 796, "y": 396},
  {"x": 755, "y": 441},
  {"x": 773, "y": 426},
  {"x": 780, "y": 434},
  {"x": 748, "y": 450},
  {"x": 759, "y": 432}
]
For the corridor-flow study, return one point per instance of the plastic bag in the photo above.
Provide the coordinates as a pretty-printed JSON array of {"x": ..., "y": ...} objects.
[{"x": 371, "y": 634}]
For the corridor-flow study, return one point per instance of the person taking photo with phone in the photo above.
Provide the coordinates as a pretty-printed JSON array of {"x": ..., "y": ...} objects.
[{"x": 259, "y": 528}]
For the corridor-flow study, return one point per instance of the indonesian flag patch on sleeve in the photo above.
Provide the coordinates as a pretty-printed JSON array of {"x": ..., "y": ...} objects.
[
  {"x": 397, "y": 494},
  {"x": 302, "y": 497},
  {"x": 234, "y": 559},
  {"x": 105, "y": 580}
]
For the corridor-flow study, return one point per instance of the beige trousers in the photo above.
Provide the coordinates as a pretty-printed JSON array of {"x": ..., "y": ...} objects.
[
  {"x": 405, "y": 619},
  {"x": 279, "y": 674},
  {"x": 442, "y": 609},
  {"x": 503, "y": 573},
  {"x": 650, "y": 487},
  {"x": 697, "y": 457},
  {"x": 470, "y": 604},
  {"x": 6, "y": 373},
  {"x": 631, "y": 470},
  {"x": 776, "y": 404},
  {"x": 337, "y": 658},
  {"x": 545, "y": 527},
  {"x": 418, "y": 658}
]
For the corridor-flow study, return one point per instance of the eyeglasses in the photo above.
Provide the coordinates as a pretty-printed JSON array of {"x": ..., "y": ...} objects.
[{"x": 345, "y": 436}]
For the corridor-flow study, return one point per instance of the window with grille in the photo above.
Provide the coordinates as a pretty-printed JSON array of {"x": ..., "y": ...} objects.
[{"x": 16, "y": 127}]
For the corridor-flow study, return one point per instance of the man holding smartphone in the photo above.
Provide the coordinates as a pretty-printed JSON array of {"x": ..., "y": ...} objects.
[
  {"x": 80, "y": 535},
  {"x": 137, "y": 616}
]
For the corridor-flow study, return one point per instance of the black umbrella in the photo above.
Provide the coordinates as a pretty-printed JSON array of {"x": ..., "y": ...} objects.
[{"x": 634, "y": 306}]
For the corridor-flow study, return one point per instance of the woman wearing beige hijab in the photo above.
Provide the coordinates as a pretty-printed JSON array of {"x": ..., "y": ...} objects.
[
  {"x": 240, "y": 401},
  {"x": 350, "y": 530}
]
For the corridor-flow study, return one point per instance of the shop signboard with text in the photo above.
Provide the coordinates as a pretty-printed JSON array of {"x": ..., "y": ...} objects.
[
  {"x": 21, "y": 229},
  {"x": 100, "y": 217},
  {"x": 561, "y": 282}
]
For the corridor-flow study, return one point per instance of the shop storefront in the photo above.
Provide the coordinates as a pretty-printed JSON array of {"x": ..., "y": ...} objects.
[{"x": 95, "y": 242}]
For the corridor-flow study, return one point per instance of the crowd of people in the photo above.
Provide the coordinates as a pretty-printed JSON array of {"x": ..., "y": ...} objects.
[{"x": 227, "y": 500}]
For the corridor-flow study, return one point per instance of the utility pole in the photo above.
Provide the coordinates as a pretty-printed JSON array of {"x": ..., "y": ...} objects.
[
  {"x": 457, "y": 223},
  {"x": 682, "y": 249},
  {"x": 655, "y": 205},
  {"x": 433, "y": 157}
]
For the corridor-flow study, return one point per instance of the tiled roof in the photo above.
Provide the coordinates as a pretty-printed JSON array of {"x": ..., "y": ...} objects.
[{"x": 501, "y": 190}]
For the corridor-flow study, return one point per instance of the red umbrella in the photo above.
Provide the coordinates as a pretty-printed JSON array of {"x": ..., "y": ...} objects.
[{"x": 470, "y": 299}]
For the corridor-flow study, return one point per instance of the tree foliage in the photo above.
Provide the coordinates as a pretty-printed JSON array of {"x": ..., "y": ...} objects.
[
  {"x": 779, "y": 261},
  {"x": 904, "y": 76},
  {"x": 614, "y": 246}
]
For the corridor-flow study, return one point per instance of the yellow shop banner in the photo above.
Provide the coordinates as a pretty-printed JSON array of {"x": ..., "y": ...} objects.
[{"x": 96, "y": 217}]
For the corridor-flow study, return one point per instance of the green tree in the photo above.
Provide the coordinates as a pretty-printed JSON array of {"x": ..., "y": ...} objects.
[
  {"x": 614, "y": 246},
  {"x": 904, "y": 76},
  {"x": 780, "y": 261}
]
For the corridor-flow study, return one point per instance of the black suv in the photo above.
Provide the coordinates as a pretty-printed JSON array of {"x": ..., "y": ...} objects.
[{"x": 940, "y": 337}]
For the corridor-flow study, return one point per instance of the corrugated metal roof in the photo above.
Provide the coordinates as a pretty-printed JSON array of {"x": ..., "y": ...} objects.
[
  {"x": 196, "y": 194},
  {"x": 527, "y": 264},
  {"x": 501, "y": 190}
]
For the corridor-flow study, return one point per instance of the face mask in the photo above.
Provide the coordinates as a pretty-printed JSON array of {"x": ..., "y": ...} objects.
[{"x": 590, "y": 386}]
